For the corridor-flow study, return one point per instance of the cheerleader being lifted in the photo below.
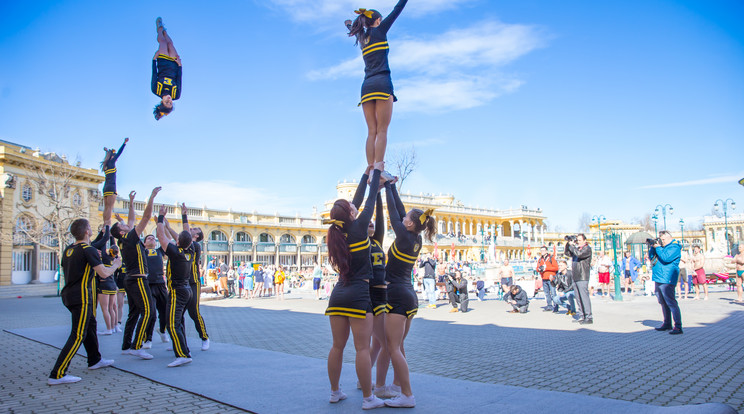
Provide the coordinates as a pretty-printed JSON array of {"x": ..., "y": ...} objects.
[{"x": 166, "y": 72}]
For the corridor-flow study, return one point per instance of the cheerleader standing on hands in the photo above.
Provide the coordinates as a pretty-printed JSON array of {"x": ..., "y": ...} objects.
[{"x": 377, "y": 100}]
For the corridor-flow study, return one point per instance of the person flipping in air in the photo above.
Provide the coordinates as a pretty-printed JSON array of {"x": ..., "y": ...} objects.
[
  {"x": 108, "y": 166},
  {"x": 370, "y": 30},
  {"x": 166, "y": 73},
  {"x": 180, "y": 261}
]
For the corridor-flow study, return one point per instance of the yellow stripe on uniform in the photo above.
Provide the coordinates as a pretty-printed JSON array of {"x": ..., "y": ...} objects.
[
  {"x": 79, "y": 332},
  {"x": 381, "y": 309},
  {"x": 145, "y": 314},
  {"x": 159, "y": 89},
  {"x": 109, "y": 171},
  {"x": 376, "y": 49},
  {"x": 172, "y": 326},
  {"x": 374, "y": 45},
  {"x": 360, "y": 248},
  {"x": 350, "y": 315},
  {"x": 335, "y": 309},
  {"x": 140, "y": 261},
  {"x": 162, "y": 56},
  {"x": 359, "y": 243},
  {"x": 400, "y": 256},
  {"x": 198, "y": 313},
  {"x": 375, "y": 95},
  {"x": 173, "y": 92}
]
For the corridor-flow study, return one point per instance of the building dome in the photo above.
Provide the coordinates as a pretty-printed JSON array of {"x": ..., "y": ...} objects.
[{"x": 638, "y": 238}]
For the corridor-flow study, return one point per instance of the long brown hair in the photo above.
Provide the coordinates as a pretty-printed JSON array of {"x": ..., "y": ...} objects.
[
  {"x": 429, "y": 226},
  {"x": 360, "y": 24},
  {"x": 338, "y": 251}
]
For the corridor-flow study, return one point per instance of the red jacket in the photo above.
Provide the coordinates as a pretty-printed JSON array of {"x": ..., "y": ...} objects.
[{"x": 551, "y": 266}]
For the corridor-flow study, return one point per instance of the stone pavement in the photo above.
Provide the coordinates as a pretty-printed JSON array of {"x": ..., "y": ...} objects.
[{"x": 621, "y": 357}]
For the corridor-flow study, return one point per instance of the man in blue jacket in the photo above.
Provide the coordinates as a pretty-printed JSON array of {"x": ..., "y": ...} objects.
[{"x": 665, "y": 272}]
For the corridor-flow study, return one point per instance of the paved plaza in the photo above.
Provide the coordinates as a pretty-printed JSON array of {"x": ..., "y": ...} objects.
[{"x": 620, "y": 357}]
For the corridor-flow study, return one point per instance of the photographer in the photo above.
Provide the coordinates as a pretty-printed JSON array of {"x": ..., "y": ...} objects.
[
  {"x": 430, "y": 281},
  {"x": 457, "y": 289},
  {"x": 517, "y": 297},
  {"x": 565, "y": 286},
  {"x": 547, "y": 266},
  {"x": 665, "y": 254},
  {"x": 581, "y": 255}
]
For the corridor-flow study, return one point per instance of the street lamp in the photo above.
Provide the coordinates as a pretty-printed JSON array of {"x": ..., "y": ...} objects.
[
  {"x": 682, "y": 227},
  {"x": 599, "y": 220},
  {"x": 664, "y": 209},
  {"x": 483, "y": 244},
  {"x": 725, "y": 205},
  {"x": 615, "y": 239},
  {"x": 655, "y": 219}
]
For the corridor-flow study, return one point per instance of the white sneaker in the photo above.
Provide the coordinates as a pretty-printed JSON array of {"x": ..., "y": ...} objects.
[
  {"x": 163, "y": 337},
  {"x": 395, "y": 388},
  {"x": 386, "y": 391},
  {"x": 139, "y": 353},
  {"x": 401, "y": 401},
  {"x": 118, "y": 327},
  {"x": 372, "y": 402},
  {"x": 205, "y": 344},
  {"x": 386, "y": 176},
  {"x": 102, "y": 333},
  {"x": 337, "y": 396},
  {"x": 179, "y": 361},
  {"x": 127, "y": 352},
  {"x": 147, "y": 345},
  {"x": 103, "y": 363},
  {"x": 67, "y": 379}
]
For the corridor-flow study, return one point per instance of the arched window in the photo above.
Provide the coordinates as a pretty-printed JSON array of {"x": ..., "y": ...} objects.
[
  {"x": 27, "y": 193},
  {"x": 242, "y": 237},
  {"x": 77, "y": 199},
  {"x": 287, "y": 239},
  {"x": 24, "y": 226},
  {"x": 217, "y": 235},
  {"x": 265, "y": 238},
  {"x": 308, "y": 239}
]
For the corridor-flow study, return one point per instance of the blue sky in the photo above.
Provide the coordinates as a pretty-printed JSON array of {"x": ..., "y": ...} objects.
[{"x": 607, "y": 108}]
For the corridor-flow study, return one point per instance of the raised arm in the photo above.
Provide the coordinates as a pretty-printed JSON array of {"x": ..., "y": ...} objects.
[
  {"x": 388, "y": 21},
  {"x": 132, "y": 216},
  {"x": 184, "y": 217},
  {"x": 161, "y": 232},
  {"x": 379, "y": 220},
  {"x": 366, "y": 215},
  {"x": 103, "y": 236},
  {"x": 398, "y": 203},
  {"x": 121, "y": 149},
  {"x": 148, "y": 211},
  {"x": 395, "y": 219},
  {"x": 361, "y": 189},
  {"x": 169, "y": 229}
]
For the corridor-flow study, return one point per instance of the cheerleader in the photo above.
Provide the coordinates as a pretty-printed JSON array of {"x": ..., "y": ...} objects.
[
  {"x": 349, "y": 306},
  {"x": 370, "y": 31},
  {"x": 166, "y": 72},
  {"x": 402, "y": 299},
  {"x": 106, "y": 288}
]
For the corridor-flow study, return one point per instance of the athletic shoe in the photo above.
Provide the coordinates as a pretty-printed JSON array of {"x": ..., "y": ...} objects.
[
  {"x": 179, "y": 361},
  {"x": 163, "y": 337},
  {"x": 663, "y": 328},
  {"x": 675, "y": 331},
  {"x": 103, "y": 333},
  {"x": 127, "y": 352},
  {"x": 205, "y": 344},
  {"x": 67, "y": 379},
  {"x": 386, "y": 176},
  {"x": 386, "y": 391},
  {"x": 371, "y": 402},
  {"x": 401, "y": 401},
  {"x": 453, "y": 310},
  {"x": 103, "y": 363},
  {"x": 139, "y": 353},
  {"x": 147, "y": 345},
  {"x": 337, "y": 396},
  {"x": 547, "y": 309},
  {"x": 580, "y": 320},
  {"x": 587, "y": 322},
  {"x": 118, "y": 328},
  {"x": 159, "y": 23}
]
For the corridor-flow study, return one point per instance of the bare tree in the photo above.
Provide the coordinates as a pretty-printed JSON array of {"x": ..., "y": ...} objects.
[
  {"x": 646, "y": 223},
  {"x": 56, "y": 205},
  {"x": 403, "y": 162},
  {"x": 584, "y": 222}
]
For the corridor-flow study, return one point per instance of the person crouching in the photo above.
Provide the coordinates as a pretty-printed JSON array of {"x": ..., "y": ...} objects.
[{"x": 517, "y": 298}]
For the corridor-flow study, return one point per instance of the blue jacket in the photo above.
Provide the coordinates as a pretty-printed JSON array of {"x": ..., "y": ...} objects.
[
  {"x": 634, "y": 265},
  {"x": 665, "y": 262}
]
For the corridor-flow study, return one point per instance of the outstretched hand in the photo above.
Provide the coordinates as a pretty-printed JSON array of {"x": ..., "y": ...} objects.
[
  {"x": 184, "y": 210},
  {"x": 126, "y": 140},
  {"x": 162, "y": 210},
  {"x": 347, "y": 22},
  {"x": 155, "y": 191},
  {"x": 118, "y": 217},
  {"x": 131, "y": 195},
  {"x": 394, "y": 180}
]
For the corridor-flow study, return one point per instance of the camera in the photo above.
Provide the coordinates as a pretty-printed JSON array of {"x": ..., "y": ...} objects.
[
  {"x": 571, "y": 238},
  {"x": 651, "y": 241}
]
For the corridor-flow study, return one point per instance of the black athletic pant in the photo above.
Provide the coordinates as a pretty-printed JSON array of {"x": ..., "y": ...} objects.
[
  {"x": 179, "y": 298},
  {"x": 160, "y": 295},
  {"x": 141, "y": 311},
  {"x": 193, "y": 308},
  {"x": 83, "y": 331}
]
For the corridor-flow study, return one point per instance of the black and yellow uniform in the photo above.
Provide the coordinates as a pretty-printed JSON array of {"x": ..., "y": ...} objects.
[
  {"x": 350, "y": 297},
  {"x": 377, "y": 81},
  {"x": 119, "y": 276},
  {"x": 157, "y": 289},
  {"x": 178, "y": 272},
  {"x": 377, "y": 287},
  {"x": 195, "y": 284},
  {"x": 78, "y": 261},
  {"x": 402, "y": 256},
  {"x": 109, "y": 169},
  {"x": 139, "y": 297},
  {"x": 166, "y": 77},
  {"x": 105, "y": 286}
]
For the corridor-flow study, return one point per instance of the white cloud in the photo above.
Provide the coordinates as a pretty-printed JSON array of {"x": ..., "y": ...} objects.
[
  {"x": 312, "y": 10},
  {"x": 705, "y": 181},
  {"x": 224, "y": 195},
  {"x": 458, "y": 69}
]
